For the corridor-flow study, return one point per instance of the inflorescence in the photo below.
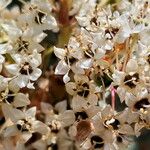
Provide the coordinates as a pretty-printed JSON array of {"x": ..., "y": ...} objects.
[{"x": 106, "y": 60}]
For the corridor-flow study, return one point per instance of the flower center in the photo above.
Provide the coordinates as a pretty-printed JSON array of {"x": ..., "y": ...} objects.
[
  {"x": 143, "y": 103},
  {"x": 26, "y": 69},
  {"x": 55, "y": 126},
  {"x": 94, "y": 20},
  {"x": 39, "y": 18},
  {"x": 111, "y": 32},
  {"x": 97, "y": 141},
  {"x": 23, "y": 125},
  {"x": 22, "y": 45},
  {"x": 81, "y": 115},
  {"x": 70, "y": 60},
  {"x": 7, "y": 96},
  {"x": 84, "y": 90},
  {"x": 112, "y": 123},
  {"x": 88, "y": 53},
  {"x": 131, "y": 80}
]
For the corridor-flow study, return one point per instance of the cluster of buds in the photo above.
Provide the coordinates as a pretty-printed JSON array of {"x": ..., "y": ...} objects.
[{"x": 105, "y": 67}]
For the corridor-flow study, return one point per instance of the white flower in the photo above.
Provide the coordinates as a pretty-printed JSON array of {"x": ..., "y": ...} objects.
[
  {"x": 140, "y": 102},
  {"x": 25, "y": 123},
  {"x": 25, "y": 69},
  {"x": 64, "y": 117},
  {"x": 83, "y": 92},
  {"x": 86, "y": 12},
  {"x": 69, "y": 59},
  {"x": 129, "y": 81},
  {"x": 9, "y": 94},
  {"x": 38, "y": 16}
]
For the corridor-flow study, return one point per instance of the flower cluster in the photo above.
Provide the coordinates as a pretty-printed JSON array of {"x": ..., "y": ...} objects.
[
  {"x": 105, "y": 62},
  {"x": 20, "y": 58},
  {"x": 107, "y": 59}
]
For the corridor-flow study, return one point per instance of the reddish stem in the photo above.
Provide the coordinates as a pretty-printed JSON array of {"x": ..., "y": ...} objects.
[
  {"x": 64, "y": 12},
  {"x": 113, "y": 91}
]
